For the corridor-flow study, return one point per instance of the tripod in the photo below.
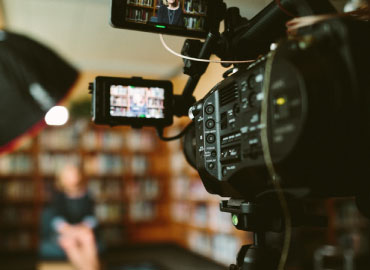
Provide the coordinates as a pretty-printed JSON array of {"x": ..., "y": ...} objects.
[{"x": 261, "y": 218}]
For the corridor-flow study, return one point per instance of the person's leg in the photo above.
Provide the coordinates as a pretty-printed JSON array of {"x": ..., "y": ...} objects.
[
  {"x": 88, "y": 247},
  {"x": 71, "y": 248},
  {"x": 81, "y": 249}
]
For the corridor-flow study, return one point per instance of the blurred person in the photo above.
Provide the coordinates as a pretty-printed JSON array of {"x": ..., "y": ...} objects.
[
  {"x": 74, "y": 220},
  {"x": 170, "y": 12},
  {"x": 138, "y": 106}
]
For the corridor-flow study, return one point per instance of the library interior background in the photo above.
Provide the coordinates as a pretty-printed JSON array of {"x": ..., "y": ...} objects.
[{"x": 152, "y": 209}]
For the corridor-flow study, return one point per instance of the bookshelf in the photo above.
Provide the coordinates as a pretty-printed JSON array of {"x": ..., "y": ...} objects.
[
  {"x": 140, "y": 11},
  {"x": 194, "y": 13},
  {"x": 115, "y": 162},
  {"x": 144, "y": 191},
  {"x": 143, "y": 188},
  {"x": 18, "y": 228}
]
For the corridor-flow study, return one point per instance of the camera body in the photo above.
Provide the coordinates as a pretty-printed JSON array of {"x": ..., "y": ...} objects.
[
  {"x": 131, "y": 101},
  {"x": 317, "y": 115},
  {"x": 316, "y": 120},
  {"x": 302, "y": 109}
]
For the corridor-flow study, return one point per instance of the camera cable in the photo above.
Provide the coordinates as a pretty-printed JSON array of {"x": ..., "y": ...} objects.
[
  {"x": 178, "y": 136},
  {"x": 268, "y": 160},
  {"x": 199, "y": 59}
]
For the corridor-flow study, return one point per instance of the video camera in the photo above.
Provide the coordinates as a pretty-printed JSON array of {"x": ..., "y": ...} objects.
[
  {"x": 304, "y": 105},
  {"x": 317, "y": 103}
]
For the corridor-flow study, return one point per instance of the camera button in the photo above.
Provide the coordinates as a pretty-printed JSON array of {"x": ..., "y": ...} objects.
[
  {"x": 252, "y": 81},
  {"x": 210, "y": 109},
  {"x": 211, "y": 138},
  {"x": 224, "y": 171},
  {"x": 210, "y": 123},
  {"x": 213, "y": 153},
  {"x": 236, "y": 109},
  {"x": 211, "y": 165},
  {"x": 252, "y": 99}
]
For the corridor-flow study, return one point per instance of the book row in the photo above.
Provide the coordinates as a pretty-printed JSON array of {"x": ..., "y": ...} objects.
[
  {"x": 195, "y": 6},
  {"x": 194, "y": 23},
  {"x": 16, "y": 215},
  {"x": 16, "y": 164},
  {"x": 105, "y": 189},
  {"x": 141, "y": 210},
  {"x": 143, "y": 189},
  {"x": 99, "y": 164},
  {"x": 69, "y": 138},
  {"x": 147, "y": 3},
  {"x": 221, "y": 247},
  {"x": 202, "y": 216},
  {"x": 137, "y": 15},
  {"x": 17, "y": 190},
  {"x": 20, "y": 241},
  {"x": 109, "y": 212}
]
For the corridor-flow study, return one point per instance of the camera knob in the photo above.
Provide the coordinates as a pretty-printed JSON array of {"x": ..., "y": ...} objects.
[
  {"x": 210, "y": 123},
  {"x": 194, "y": 111},
  {"x": 210, "y": 109}
]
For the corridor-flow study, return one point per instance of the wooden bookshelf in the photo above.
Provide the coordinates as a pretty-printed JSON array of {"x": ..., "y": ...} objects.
[
  {"x": 114, "y": 161},
  {"x": 153, "y": 194},
  {"x": 194, "y": 14},
  {"x": 140, "y": 11},
  {"x": 140, "y": 6}
]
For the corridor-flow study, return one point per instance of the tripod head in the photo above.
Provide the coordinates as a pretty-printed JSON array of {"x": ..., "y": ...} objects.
[{"x": 262, "y": 216}]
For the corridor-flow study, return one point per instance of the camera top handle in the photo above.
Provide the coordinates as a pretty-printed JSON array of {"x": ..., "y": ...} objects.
[
  {"x": 183, "y": 102},
  {"x": 246, "y": 41}
]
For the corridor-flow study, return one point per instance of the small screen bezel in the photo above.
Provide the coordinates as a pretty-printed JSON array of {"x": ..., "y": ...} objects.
[
  {"x": 107, "y": 82},
  {"x": 118, "y": 7}
]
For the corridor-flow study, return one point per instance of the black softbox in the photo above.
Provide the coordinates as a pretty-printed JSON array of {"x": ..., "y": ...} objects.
[{"x": 33, "y": 79}]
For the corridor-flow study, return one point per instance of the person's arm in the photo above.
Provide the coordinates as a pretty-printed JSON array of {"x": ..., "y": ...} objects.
[
  {"x": 58, "y": 222},
  {"x": 90, "y": 220}
]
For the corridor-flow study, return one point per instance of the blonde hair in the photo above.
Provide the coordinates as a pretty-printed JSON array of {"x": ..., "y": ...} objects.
[
  {"x": 165, "y": 2},
  {"x": 59, "y": 185}
]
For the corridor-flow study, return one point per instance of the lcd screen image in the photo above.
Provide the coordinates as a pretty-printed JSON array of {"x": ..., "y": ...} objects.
[
  {"x": 134, "y": 101},
  {"x": 181, "y": 14}
]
